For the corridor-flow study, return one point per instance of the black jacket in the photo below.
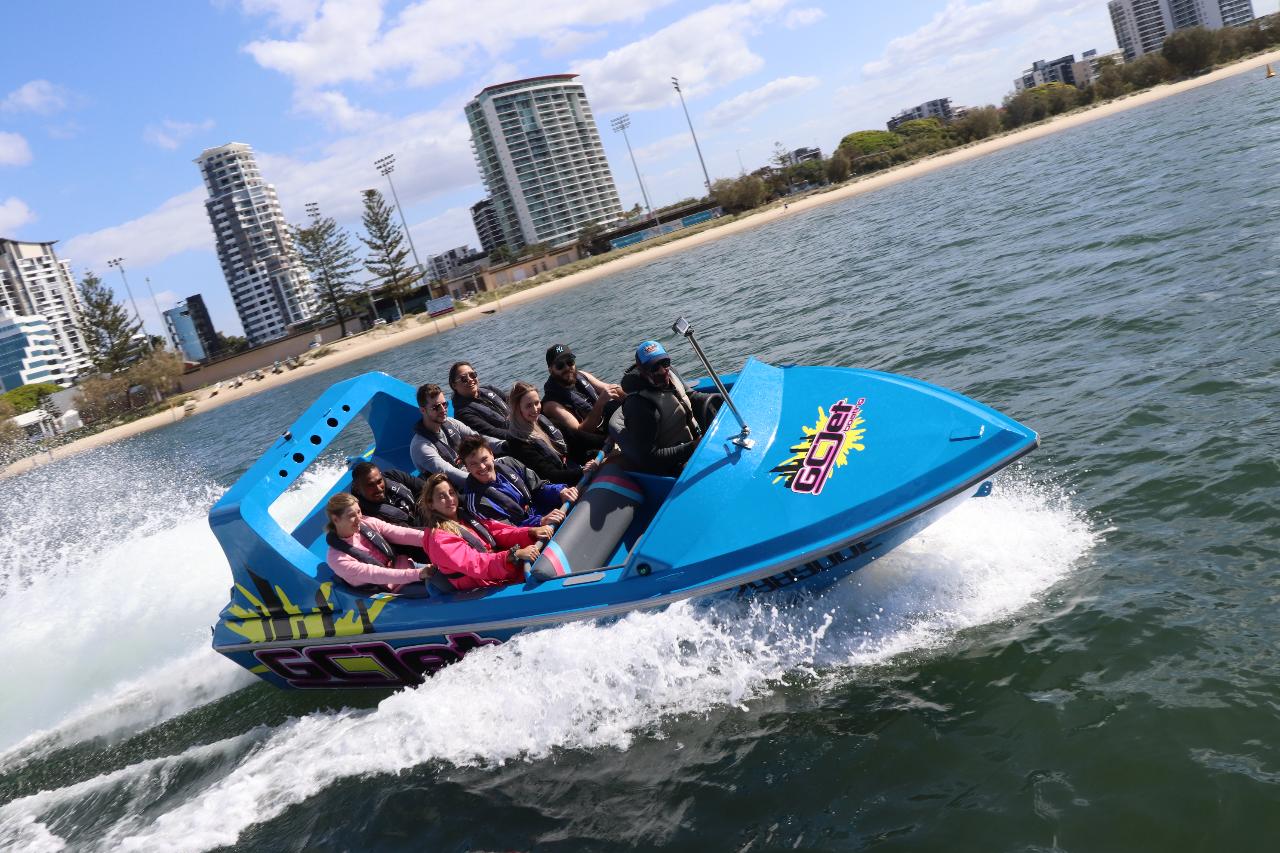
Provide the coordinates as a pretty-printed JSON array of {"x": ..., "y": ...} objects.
[
  {"x": 487, "y": 413},
  {"x": 548, "y": 464}
]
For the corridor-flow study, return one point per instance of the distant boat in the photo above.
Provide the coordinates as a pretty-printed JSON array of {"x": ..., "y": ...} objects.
[{"x": 1270, "y": 73}]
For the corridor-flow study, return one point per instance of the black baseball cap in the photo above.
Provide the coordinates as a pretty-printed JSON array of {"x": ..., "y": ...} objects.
[{"x": 558, "y": 351}]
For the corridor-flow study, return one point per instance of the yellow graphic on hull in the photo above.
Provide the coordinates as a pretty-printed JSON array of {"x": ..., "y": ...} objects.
[{"x": 281, "y": 619}]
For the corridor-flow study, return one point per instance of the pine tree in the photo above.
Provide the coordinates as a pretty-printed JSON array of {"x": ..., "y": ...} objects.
[
  {"x": 327, "y": 254},
  {"x": 387, "y": 259},
  {"x": 107, "y": 327}
]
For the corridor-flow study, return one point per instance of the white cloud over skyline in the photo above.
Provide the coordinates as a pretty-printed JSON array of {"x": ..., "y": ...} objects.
[{"x": 14, "y": 150}]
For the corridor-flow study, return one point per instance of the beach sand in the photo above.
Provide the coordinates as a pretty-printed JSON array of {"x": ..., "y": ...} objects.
[{"x": 384, "y": 338}]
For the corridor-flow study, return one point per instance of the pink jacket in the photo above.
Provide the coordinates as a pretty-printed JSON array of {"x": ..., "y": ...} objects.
[
  {"x": 357, "y": 573},
  {"x": 467, "y": 568}
]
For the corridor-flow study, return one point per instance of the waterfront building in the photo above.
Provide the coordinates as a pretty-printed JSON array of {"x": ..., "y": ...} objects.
[
  {"x": 191, "y": 329},
  {"x": 799, "y": 155},
  {"x": 1042, "y": 71},
  {"x": 1142, "y": 25},
  {"x": 35, "y": 282},
  {"x": 539, "y": 153},
  {"x": 939, "y": 108},
  {"x": 1086, "y": 71},
  {"x": 29, "y": 352},
  {"x": 444, "y": 266},
  {"x": 268, "y": 284},
  {"x": 485, "y": 219}
]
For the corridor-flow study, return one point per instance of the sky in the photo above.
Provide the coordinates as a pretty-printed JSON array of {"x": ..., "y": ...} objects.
[{"x": 105, "y": 106}]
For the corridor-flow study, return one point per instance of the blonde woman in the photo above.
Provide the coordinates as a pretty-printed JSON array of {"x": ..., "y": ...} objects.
[
  {"x": 360, "y": 547},
  {"x": 471, "y": 552},
  {"x": 535, "y": 441}
]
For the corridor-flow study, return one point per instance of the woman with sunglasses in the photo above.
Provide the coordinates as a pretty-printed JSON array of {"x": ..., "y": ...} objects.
[
  {"x": 664, "y": 420},
  {"x": 481, "y": 407}
]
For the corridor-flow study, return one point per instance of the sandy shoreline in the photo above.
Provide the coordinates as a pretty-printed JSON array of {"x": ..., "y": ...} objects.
[{"x": 389, "y": 337}]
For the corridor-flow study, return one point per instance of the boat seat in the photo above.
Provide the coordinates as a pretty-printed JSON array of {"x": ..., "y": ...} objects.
[{"x": 590, "y": 534}]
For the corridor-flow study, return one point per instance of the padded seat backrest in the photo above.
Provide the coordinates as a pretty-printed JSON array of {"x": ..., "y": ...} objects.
[{"x": 591, "y": 533}]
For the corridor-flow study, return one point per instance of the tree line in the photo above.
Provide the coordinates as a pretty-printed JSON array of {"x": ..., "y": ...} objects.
[{"x": 1185, "y": 54}]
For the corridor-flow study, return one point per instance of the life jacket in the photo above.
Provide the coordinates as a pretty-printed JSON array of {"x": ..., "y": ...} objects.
[
  {"x": 677, "y": 422},
  {"x": 511, "y": 507},
  {"x": 379, "y": 544},
  {"x": 474, "y": 534},
  {"x": 399, "y": 506},
  {"x": 554, "y": 455},
  {"x": 579, "y": 397},
  {"x": 488, "y": 409},
  {"x": 444, "y": 442}
]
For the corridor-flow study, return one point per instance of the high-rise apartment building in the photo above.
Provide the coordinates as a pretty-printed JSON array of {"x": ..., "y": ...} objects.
[
  {"x": 539, "y": 152},
  {"x": 269, "y": 286},
  {"x": 29, "y": 352},
  {"x": 33, "y": 281},
  {"x": 192, "y": 330},
  {"x": 488, "y": 230},
  {"x": 444, "y": 265},
  {"x": 1142, "y": 25},
  {"x": 1042, "y": 71}
]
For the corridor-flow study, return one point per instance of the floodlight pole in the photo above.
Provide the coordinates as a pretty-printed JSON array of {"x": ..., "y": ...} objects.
[
  {"x": 706, "y": 177},
  {"x": 620, "y": 125},
  {"x": 118, "y": 263},
  {"x": 386, "y": 165}
]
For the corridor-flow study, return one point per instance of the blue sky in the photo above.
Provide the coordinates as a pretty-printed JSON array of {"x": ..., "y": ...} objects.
[{"x": 104, "y": 106}]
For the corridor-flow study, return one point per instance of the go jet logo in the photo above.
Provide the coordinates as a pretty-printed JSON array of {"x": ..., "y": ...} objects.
[{"x": 825, "y": 446}]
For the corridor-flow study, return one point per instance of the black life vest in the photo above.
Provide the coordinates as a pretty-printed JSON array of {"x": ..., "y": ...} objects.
[
  {"x": 578, "y": 398},
  {"x": 399, "y": 506},
  {"x": 677, "y": 422},
  {"x": 509, "y": 471},
  {"x": 487, "y": 413}
]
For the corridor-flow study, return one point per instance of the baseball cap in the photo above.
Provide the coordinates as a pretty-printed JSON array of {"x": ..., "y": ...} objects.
[
  {"x": 556, "y": 351},
  {"x": 650, "y": 351}
]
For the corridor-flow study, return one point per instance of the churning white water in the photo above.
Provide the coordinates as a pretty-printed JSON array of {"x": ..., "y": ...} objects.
[{"x": 115, "y": 628}]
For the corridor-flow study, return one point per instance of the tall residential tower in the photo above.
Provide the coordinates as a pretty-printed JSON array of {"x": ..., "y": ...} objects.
[
  {"x": 33, "y": 281},
  {"x": 539, "y": 153},
  {"x": 268, "y": 283},
  {"x": 1142, "y": 25}
]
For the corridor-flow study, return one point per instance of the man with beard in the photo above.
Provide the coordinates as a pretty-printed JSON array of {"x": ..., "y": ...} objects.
[
  {"x": 664, "y": 421},
  {"x": 434, "y": 446},
  {"x": 577, "y": 402}
]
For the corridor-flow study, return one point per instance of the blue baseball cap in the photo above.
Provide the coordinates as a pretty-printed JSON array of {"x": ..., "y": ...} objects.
[{"x": 649, "y": 352}]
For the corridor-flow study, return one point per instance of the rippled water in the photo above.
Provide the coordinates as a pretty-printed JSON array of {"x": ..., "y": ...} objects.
[{"x": 1085, "y": 661}]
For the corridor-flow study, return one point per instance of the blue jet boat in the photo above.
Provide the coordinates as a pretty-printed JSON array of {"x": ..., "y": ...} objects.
[{"x": 841, "y": 465}]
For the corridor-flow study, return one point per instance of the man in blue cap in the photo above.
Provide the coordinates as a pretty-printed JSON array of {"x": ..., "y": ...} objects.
[{"x": 664, "y": 420}]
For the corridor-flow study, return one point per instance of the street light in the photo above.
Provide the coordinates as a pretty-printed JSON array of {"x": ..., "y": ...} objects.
[
  {"x": 620, "y": 125},
  {"x": 386, "y": 165},
  {"x": 118, "y": 263},
  {"x": 159, "y": 313},
  {"x": 706, "y": 177}
]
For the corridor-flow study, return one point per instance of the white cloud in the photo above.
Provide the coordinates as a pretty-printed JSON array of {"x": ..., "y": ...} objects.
[
  {"x": 179, "y": 225},
  {"x": 797, "y": 18},
  {"x": 14, "y": 150},
  {"x": 170, "y": 134},
  {"x": 37, "y": 96},
  {"x": 454, "y": 227},
  {"x": 958, "y": 26},
  {"x": 335, "y": 110},
  {"x": 755, "y": 101},
  {"x": 284, "y": 13},
  {"x": 705, "y": 50},
  {"x": 14, "y": 213},
  {"x": 566, "y": 41},
  {"x": 341, "y": 41}
]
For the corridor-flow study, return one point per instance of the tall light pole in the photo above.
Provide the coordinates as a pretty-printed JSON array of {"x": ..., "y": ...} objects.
[
  {"x": 386, "y": 165},
  {"x": 118, "y": 263},
  {"x": 620, "y": 125},
  {"x": 156, "y": 303},
  {"x": 706, "y": 177}
]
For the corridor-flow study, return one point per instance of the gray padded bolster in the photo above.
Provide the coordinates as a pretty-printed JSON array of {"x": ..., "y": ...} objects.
[{"x": 593, "y": 529}]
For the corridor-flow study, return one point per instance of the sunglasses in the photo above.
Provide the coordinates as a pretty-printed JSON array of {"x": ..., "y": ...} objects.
[
  {"x": 467, "y": 377},
  {"x": 564, "y": 362},
  {"x": 439, "y": 407},
  {"x": 658, "y": 366}
]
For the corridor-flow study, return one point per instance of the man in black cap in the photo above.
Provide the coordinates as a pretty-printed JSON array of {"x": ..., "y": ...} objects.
[
  {"x": 576, "y": 402},
  {"x": 664, "y": 420}
]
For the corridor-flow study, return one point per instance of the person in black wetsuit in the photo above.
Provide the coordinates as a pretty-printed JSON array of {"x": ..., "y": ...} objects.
[
  {"x": 577, "y": 402},
  {"x": 664, "y": 421},
  {"x": 481, "y": 407}
]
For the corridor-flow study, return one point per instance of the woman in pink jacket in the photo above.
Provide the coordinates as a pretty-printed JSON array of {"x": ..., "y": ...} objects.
[
  {"x": 470, "y": 552},
  {"x": 359, "y": 552}
]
